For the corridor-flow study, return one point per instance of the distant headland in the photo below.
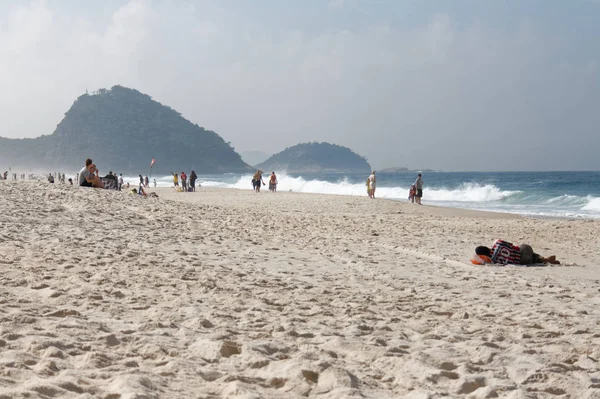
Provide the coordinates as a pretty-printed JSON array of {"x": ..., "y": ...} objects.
[{"x": 122, "y": 129}]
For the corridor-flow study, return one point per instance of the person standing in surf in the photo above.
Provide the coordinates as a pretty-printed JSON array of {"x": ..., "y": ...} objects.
[
  {"x": 372, "y": 185},
  {"x": 419, "y": 187},
  {"x": 273, "y": 182}
]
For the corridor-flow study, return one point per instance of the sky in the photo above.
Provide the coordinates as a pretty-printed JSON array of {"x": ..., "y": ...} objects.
[{"x": 446, "y": 85}]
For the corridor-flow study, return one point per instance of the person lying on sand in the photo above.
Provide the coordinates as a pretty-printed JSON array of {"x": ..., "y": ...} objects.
[{"x": 504, "y": 252}]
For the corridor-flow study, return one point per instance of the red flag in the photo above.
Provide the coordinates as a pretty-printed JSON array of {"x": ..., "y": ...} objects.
[{"x": 152, "y": 163}]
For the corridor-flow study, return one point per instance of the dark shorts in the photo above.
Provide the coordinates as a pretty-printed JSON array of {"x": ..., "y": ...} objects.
[
  {"x": 419, "y": 193},
  {"x": 528, "y": 257},
  {"x": 86, "y": 184}
]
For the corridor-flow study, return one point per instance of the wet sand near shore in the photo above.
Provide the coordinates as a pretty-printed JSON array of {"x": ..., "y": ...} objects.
[{"x": 229, "y": 293}]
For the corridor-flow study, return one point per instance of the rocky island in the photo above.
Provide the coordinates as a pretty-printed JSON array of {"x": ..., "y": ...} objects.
[{"x": 316, "y": 158}]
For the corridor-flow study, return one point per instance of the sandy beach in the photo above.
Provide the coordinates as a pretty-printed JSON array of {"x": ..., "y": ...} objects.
[{"x": 232, "y": 294}]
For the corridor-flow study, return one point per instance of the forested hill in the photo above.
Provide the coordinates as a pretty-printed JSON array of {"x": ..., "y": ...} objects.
[
  {"x": 121, "y": 129},
  {"x": 316, "y": 157}
]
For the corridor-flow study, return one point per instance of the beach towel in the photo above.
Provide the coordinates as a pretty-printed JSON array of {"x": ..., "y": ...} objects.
[
  {"x": 505, "y": 253},
  {"x": 110, "y": 184}
]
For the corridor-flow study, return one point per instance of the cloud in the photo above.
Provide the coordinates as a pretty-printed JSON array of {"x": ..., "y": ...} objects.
[{"x": 439, "y": 94}]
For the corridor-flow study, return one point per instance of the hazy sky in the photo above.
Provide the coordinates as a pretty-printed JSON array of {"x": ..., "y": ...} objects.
[{"x": 453, "y": 85}]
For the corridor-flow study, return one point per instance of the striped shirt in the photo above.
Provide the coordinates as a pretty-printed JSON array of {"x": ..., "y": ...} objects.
[{"x": 505, "y": 253}]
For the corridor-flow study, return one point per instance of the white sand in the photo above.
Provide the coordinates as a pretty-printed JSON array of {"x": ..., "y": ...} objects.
[{"x": 226, "y": 293}]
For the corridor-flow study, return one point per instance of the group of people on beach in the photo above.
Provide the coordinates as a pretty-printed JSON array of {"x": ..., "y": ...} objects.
[
  {"x": 145, "y": 182},
  {"x": 89, "y": 176},
  {"x": 257, "y": 181},
  {"x": 415, "y": 193},
  {"x": 188, "y": 184}
]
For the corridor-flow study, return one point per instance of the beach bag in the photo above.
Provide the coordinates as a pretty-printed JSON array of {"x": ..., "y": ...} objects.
[{"x": 505, "y": 253}]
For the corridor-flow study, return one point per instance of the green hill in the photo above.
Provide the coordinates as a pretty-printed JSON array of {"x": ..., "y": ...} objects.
[
  {"x": 314, "y": 158},
  {"x": 121, "y": 129}
]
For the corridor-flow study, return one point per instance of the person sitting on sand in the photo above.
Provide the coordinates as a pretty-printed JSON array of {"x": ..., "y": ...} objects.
[
  {"x": 70, "y": 181},
  {"x": 88, "y": 176},
  {"x": 504, "y": 252},
  {"x": 95, "y": 173}
]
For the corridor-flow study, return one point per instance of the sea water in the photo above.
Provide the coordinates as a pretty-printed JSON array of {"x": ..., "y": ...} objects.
[{"x": 549, "y": 194}]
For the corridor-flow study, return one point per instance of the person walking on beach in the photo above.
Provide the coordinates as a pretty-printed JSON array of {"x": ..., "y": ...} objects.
[
  {"x": 120, "y": 181},
  {"x": 154, "y": 182},
  {"x": 141, "y": 180},
  {"x": 193, "y": 178},
  {"x": 147, "y": 181},
  {"x": 183, "y": 181},
  {"x": 372, "y": 184},
  {"x": 419, "y": 188},
  {"x": 257, "y": 180},
  {"x": 273, "y": 182},
  {"x": 368, "y": 184}
]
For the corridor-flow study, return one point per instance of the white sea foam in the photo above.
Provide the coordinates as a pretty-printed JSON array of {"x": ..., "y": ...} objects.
[
  {"x": 468, "y": 192},
  {"x": 468, "y": 195},
  {"x": 593, "y": 204}
]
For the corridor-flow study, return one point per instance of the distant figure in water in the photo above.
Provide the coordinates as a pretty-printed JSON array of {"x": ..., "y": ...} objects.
[
  {"x": 273, "y": 182},
  {"x": 257, "y": 180}
]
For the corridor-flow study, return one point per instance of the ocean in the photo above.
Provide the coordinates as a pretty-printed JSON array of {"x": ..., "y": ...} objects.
[{"x": 546, "y": 194}]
